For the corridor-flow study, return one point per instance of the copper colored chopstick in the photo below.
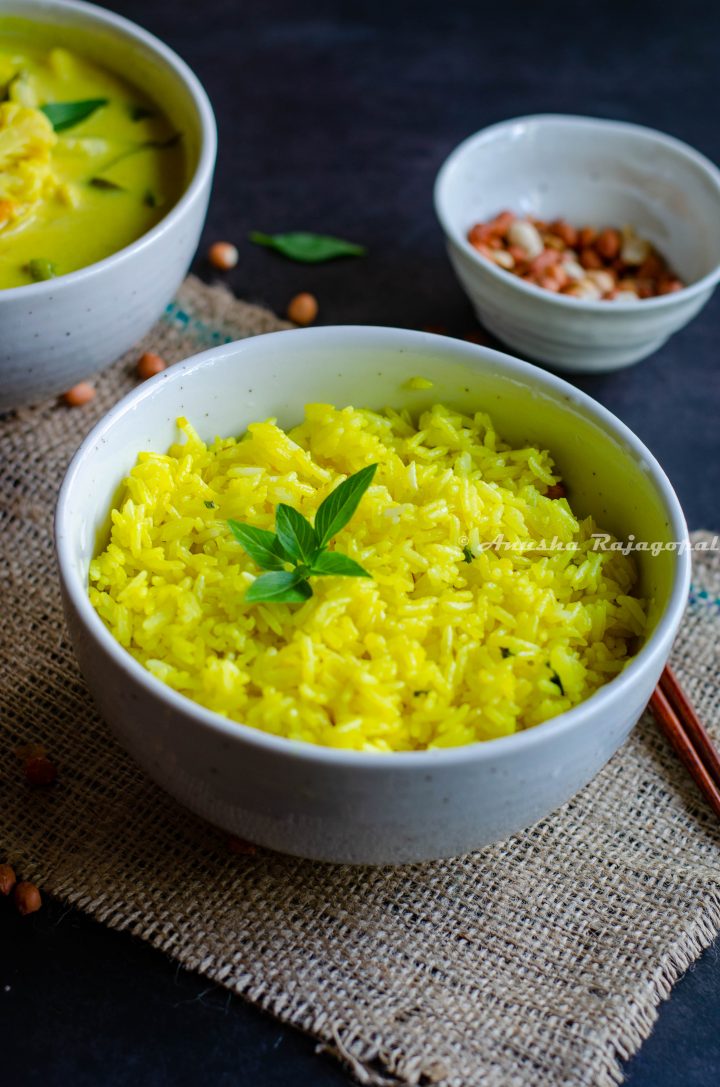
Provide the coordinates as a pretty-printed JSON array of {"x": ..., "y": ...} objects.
[
  {"x": 693, "y": 725},
  {"x": 673, "y": 726}
]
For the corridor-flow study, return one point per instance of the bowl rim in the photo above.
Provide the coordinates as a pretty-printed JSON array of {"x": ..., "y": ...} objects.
[
  {"x": 52, "y": 11},
  {"x": 653, "y": 653},
  {"x": 642, "y": 305}
]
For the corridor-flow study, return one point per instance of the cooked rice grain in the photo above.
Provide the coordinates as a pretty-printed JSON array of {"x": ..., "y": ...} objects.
[{"x": 433, "y": 651}]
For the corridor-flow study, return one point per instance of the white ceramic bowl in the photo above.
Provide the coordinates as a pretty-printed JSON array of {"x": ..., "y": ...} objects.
[
  {"x": 589, "y": 172},
  {"x": 54, "y": 333},
  {"x": 347, "y": 806}
]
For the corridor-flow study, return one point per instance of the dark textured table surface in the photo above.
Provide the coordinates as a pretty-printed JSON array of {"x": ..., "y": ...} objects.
[{"x": 335, "y": 117}]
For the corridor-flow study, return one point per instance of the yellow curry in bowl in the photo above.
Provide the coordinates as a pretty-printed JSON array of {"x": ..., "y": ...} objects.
[{"x": 88, "y": 162}]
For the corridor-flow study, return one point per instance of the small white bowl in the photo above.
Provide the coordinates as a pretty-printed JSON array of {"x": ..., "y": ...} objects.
[
  {"x": 54, "y": 333},
  {"x": 589, "y": 172},
  {"x": 347, "y": 806}
]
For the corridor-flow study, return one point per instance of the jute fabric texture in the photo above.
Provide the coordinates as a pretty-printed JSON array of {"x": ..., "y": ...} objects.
[{"x": 540, "y": 961}]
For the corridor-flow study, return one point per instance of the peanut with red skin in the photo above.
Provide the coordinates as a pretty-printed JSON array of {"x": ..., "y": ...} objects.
[
  {"x": 502, "y": 222},
  {"x": 27, "y": 898},
  {"x": 8, "y": 879},
  {"x": 223, "y": 256},
  {"x": 608, "y": 243},
  {"x": 149, "y": 364},
  {"x": 303, "y": 309},
  {"x": 582, "y": 262},
  {"x": 566, "y": 232},
  {"x": 546, "y": 259},
  {"x": 590, "y": 259},
  {"x": 587, "y": 235},
  {"x": 79, "y": 395}
]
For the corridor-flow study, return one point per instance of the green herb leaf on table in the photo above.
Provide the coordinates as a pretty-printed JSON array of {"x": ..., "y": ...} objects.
[
  {"x": 296, "y": 542},
  {"x": 262, "y": 546},
  {"x": 332, "y": 562},
  {"x": 339, "y": 506},
  {"x": 62, "y": 115},
  {"x": 308, "y": 248},
  {"x": 281, "y": 587}
]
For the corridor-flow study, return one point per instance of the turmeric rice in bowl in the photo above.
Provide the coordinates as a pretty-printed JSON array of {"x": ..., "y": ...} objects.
[{"x": 488, "y": 609}]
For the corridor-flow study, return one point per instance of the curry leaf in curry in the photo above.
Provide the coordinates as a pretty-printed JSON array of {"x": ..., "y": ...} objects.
[
  {"x": 40, "y": 268},
  {"x": 301, "y": 545},
  {"x": 62, "y": 115}
]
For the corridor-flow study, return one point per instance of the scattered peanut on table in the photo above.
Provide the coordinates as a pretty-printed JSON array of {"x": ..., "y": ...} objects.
[
  {"x": 149, "y": 364},
  {"x": 583, "y": 262},
  {"x": 7, "y": 879},
  {"x": 26, "y": 897},
  {"x": 80, "y": 394},
  {"x": 223, "y": 256},
  {"x": 303, "y": 308}
]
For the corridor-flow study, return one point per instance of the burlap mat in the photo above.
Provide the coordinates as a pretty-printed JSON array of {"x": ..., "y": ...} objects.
[{"x": 539, "y": 961}]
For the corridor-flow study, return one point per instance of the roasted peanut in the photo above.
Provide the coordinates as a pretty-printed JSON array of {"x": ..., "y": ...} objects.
[
  {"x": 526, "y": 237},
  {"x": 303, "y": 309},
  {"x": 80, "y": 394},
  {"x": 26, "y": 898},
  {"x": 583, "y": 262},
  {"x": 149, "y": 364},
  {"x": 223, "y": 256},
  {"x": 608, "y": 243},
  {"x": 7, "y": 879}
]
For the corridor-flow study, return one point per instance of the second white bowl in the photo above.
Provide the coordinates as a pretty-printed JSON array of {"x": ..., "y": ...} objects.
[{"x": 589, "y": 172}]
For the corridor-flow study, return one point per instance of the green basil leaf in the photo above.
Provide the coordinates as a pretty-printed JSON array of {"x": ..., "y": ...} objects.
[
  {"x": 62, "y": 115},
  {"x": 306, "y": 247},
  {"x": 284, "y": 587},
  {"x": 331, "y": 562},
  {"x": 339, "y": 506},
  {"x": 296, "y": 535},
  {"x": 262, "y": 546}
]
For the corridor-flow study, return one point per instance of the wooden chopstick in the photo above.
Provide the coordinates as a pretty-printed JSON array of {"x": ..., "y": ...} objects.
[
  {"x": 682, "y": 727},
  {"x": 693, "y": 725}
]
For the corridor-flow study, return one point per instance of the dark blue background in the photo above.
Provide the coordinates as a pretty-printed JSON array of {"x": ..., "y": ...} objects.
[{"x": 335, "y": 117}]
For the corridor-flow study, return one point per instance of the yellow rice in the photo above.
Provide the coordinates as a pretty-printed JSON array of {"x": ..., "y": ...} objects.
[{"x": 432, "y": 651}]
